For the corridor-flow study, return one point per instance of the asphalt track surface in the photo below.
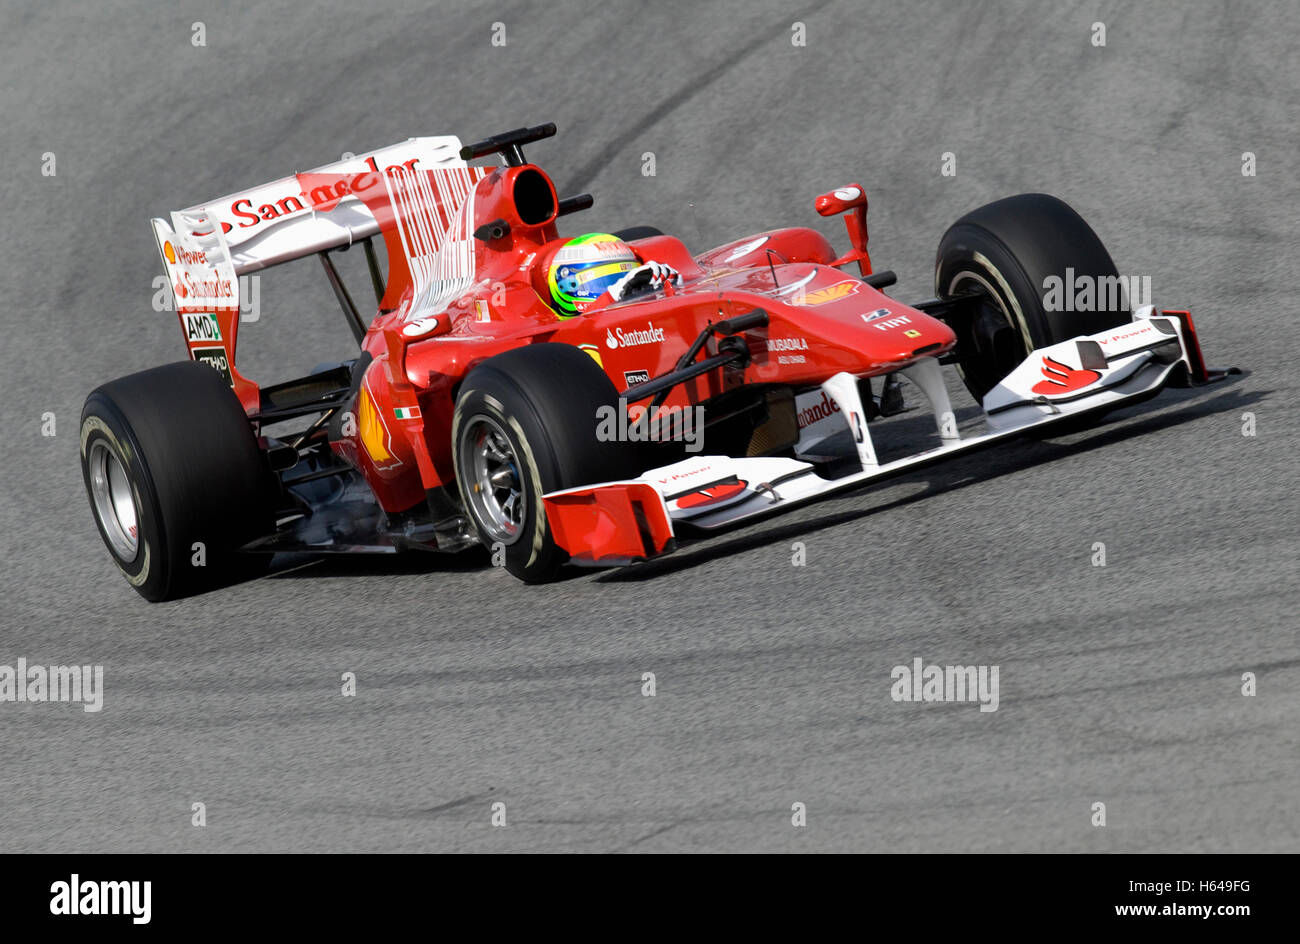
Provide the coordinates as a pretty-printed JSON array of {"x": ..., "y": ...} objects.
[{"x": 1118, "y": 684}]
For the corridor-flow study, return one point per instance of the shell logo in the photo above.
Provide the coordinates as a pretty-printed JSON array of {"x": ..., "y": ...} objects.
[
  {"x": 373, "y": 433},
  {"x": 831, "y": 293},
  {"x": 169, "y": 252}
]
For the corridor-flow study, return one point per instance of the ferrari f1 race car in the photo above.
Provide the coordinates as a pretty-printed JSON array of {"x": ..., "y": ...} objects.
[{"x": 594, "y": 400}]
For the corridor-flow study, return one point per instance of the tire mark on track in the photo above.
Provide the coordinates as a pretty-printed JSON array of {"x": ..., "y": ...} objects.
[
  {"x": 454, "y": 804},
  {"x": 627, "y": 846},
  {"x": 687, "y": 91}
]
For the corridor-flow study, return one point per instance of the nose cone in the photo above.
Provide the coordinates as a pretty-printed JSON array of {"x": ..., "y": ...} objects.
[
  {"x": 823, "y": 320},
  {"x": 848, "y": 314},
  {"x": 897, "y": 332}
]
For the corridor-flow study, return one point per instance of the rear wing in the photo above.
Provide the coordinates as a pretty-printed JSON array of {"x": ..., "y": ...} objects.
[
  {"x": 313, "y": 211},
  {"x": 417, "y": 194}
]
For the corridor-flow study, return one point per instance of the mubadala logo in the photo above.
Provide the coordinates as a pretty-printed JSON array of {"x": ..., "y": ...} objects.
[
  {"x": 202, "y": 327},
  {"x": 787, "y": 344},
  {"x": 619, "y": 338},
  {"x": 75, "y": 897},
  {"x": 958, "y": 683}
]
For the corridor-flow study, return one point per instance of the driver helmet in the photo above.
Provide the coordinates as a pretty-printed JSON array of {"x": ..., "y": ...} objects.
[{"x": 584, "y": 267}]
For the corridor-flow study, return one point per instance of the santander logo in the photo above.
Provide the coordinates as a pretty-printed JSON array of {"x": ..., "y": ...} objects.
[
  {"x": 633, "y": 338},
  {"x": 318, "y": 192},
  {"x": 1061, "y": 378},
  {"x": 822, "y": 409}
]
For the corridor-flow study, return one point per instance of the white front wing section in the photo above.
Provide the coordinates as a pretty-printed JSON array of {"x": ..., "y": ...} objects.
[{"x": 1065, "y": 380}]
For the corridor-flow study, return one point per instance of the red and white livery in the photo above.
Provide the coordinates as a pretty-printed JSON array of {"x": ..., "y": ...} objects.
[{"x": 753, "y": 379}]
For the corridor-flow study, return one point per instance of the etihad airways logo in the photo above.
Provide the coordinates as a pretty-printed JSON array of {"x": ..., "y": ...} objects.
[{"x": 618, "y": 338}]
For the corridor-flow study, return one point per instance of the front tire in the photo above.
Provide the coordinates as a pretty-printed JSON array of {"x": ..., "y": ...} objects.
[
  {"x": 175, "y": 479},
  {"x": 1005, "y": 252},
  {"x": 526, "y": 424}
]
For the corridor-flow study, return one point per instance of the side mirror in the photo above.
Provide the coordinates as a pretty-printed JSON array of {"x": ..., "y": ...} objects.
[{"x": 852, "y": 202}]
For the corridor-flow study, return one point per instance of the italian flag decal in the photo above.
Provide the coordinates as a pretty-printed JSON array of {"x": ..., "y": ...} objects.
[{"x": 406, "y": 412}]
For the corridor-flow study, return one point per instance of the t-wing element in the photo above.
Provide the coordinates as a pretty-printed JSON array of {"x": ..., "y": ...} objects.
[
  {"x": 508, "y": 144},
  {"x": 852, "y": 202}
]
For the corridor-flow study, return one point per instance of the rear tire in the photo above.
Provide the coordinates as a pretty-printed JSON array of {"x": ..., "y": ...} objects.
[
  {"x": 169, "y": 461},
  {"x": 1006, "y": 251},
  {"x": 526, "y": 424}
]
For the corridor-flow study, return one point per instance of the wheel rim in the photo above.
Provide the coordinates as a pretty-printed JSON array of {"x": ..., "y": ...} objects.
[
  {"x": 114, "y": 501},
  {"x": 996, "y": 344},
  {"x": 491, "y": 470}
]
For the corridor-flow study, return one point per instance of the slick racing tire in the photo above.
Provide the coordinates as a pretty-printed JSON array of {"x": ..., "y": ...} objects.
[
  {"x": 525, "y": 424},
  {"x": 1005, "y": 252},
  {"x": 175, "y": 479}
]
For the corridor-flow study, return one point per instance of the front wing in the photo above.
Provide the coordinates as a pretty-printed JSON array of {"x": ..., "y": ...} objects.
[{"x": 616, "y": 523}]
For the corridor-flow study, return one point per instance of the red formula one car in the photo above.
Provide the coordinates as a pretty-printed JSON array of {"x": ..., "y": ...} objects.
[{"x": 695, "y": 392}]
